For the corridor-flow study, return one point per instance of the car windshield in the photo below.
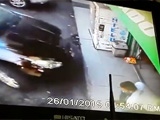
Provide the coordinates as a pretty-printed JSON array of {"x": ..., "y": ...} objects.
[{"x": 7, "y": 20}]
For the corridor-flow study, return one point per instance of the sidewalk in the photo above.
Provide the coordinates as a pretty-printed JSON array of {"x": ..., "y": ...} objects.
[
  {"x": 147, "y": 74},
  {"x": 86, "y": 2},
  {"x": 81, "y": 3},
  {"x": 99, "y": 64}
]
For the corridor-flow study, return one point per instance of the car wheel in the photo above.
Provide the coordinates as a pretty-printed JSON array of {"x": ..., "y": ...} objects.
[{"x": 19, "y": 3}]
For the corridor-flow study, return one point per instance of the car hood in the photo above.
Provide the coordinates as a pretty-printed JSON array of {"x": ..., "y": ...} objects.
[
  {"x": 32, "y": 29},
  {"x": 30, "y": 37},
  {"x": 26, "y": 36}
]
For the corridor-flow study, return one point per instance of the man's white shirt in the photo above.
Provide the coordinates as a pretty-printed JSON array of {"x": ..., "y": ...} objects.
[{"x": 144, "y": 97}]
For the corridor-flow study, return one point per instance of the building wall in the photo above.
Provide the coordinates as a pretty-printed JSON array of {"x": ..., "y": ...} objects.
[{"x": 133, "y": 46}]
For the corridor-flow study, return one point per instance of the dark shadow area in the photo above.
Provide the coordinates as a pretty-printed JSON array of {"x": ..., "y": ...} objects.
[
  {"x": 67, "y": 82},
  {"x": 47, "y": 7}
]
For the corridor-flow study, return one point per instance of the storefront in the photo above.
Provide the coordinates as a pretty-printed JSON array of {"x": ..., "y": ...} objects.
[
  {"x": 106, "y": 27},
  {"x": 142, "y": 35}
]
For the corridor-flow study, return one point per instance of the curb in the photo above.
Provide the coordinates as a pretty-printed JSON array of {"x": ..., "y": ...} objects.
[
  {"x": 82, "y": 1},
  {"x": 79, "y": 4},
  {"x": 138, "y": 74},
  {"x": 90, "y": 32}
]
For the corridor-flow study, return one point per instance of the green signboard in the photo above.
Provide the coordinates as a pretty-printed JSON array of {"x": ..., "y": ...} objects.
[{"x": 140, "y": 24}]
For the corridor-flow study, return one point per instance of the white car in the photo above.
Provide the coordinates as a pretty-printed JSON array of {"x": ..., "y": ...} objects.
[{"x": 25, "y": 3}]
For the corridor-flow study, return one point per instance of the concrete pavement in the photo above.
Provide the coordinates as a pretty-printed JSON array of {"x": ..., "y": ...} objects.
[{"x": 99, "y": 64}]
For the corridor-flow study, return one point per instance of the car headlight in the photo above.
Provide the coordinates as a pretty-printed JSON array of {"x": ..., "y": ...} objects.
[
  {"x": 54, "y": 64},
  {"x": 48, "y": 64},
  {"x": 8, "y": 80}
]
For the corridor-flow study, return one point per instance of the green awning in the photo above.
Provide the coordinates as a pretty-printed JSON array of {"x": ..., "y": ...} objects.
[{"x": 147, "y": 42}]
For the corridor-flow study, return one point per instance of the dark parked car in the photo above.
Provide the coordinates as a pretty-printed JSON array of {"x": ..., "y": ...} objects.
[{"x": 34, "y": 46}]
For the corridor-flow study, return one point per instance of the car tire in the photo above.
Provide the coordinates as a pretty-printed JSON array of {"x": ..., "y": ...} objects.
[{"x": 23, "y": 4}]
